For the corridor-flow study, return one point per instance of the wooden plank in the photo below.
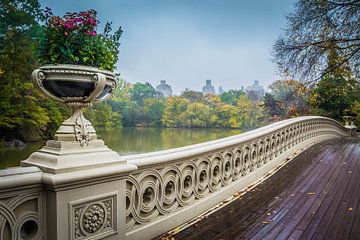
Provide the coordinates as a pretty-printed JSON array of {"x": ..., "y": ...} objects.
[
  {"x": 282, "y": 208},
  {"x": 312, "y": 185}
]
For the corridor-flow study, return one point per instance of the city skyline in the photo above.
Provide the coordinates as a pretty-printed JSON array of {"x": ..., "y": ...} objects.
[{"x": 187, "y": 42}]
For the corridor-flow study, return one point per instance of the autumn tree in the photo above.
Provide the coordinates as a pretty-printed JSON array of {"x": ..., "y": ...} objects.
[
  {"x": 192, "y": 96},
  {"x": 175, "y": 106},
  {"x": 288, "y": 98},
  {"x": 196, "y": 115},
  {"x": 312, "y": 29}
]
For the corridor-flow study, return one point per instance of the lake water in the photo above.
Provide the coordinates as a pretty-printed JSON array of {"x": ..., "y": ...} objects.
[{"x": 127, "y": 141}]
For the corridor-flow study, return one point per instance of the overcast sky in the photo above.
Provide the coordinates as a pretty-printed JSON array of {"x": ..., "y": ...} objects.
[{"x": 186, "y": 42}]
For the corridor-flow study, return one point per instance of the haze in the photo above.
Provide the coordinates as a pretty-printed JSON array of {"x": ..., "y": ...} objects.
[{"x": 186, "y": 42}]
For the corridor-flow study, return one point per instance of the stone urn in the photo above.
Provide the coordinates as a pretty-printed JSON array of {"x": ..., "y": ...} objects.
[{"x": 78, "y": 87}]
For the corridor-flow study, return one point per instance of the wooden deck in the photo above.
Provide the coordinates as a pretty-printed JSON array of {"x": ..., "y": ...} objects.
[{"x": 315, "y": 196}]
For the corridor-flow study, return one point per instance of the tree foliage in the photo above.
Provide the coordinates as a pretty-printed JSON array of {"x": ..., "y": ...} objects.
[
  {"x": 288, "y": 98},
  {"x": 24, "y": 112},
  {"x": 313, "y": 29},
  {"x": 337, "y": 92}
]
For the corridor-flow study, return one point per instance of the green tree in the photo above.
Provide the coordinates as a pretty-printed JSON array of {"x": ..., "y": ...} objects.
[
  {"x": 153, "y": 110},
  {"x": 196, "y": 115},
  {"x": 174, "y": 107},
  {"x": 249, "y": 112},
  {"x": 140, "y": 91},
  {"x": 228, "y": 116},
  {"x": 25, "y": 114},
  {"x": 231, "y": 97},
  {"x": 102, "y": 115}
]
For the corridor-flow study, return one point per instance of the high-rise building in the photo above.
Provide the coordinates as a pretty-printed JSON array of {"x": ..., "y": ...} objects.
[
  {"x": 164, "y": 88},
  {"x": 221, "y": 90},
  {"x": 255, "y": 91},
  {"x": 208, "y": 88}
]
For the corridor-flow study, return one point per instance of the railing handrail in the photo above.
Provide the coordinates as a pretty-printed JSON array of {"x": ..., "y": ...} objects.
[{"x": 168, "y": 155}]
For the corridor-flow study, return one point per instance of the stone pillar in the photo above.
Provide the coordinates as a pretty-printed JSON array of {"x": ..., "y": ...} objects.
[
  {"x": 349, "y": 124},
  {"x": 85, "y": 191}
]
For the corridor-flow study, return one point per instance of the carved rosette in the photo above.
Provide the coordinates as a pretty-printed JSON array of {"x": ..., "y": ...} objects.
[{"x": 93, "y": 219}]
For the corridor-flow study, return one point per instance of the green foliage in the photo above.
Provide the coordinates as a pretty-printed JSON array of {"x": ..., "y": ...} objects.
[
  {"x": 25, "y": 113},
  {"x": 231, "y": 97},
  {"x": 175, "y": 106},
  {"x": 140, "y": 91},
  {"x": 153, "y": 110},
  {"x": 73, "y": 39},
  {"x": 334, "y": 97},
  {"x": 196, "y": 115},
  {"x": 338, "y": 92},
  {"x": 102, "y": 115}
]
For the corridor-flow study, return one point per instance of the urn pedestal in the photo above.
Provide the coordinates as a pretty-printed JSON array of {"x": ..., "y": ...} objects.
[{"x": 75, "y": 145}]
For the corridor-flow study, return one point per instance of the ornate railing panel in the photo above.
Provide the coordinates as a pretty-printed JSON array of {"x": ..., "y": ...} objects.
[
  {"x": 170, "y": 181},
  {"x": 21, "y": 204},
  {"x": 141, "y": 196}
]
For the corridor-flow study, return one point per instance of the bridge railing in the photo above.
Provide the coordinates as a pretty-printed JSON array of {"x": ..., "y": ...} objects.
[
  {"x": 144, "y": 195},
  {"x": 173, "y": 186}
]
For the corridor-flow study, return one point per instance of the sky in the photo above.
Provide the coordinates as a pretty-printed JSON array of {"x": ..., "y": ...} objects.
[{"x": 186, "y": 42}]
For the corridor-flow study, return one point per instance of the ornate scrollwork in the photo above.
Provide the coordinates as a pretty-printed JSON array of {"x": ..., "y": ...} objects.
[
  {"x": 82, "y": 130},
  {"x": 151, "y": 193}
]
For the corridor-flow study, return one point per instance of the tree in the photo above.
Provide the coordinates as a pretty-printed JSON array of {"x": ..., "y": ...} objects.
[
  {"x": 289, "y": 99},
  {"x": 102, "y": 115},
  {"x": 173, "y": 108},
  {"x": 231, "y": 97},
  {"x": 228, "y": 116},
  {"x": 313, "y": 29},
  {"x": 140, "y": 91},
  {"x": 25, "y": 113},
  {"x": 192, "y": 96},
  {"x": 153, "y": 110},
  {"x": 249, "y": 112},
  {"x": 196, "y": 115},
  {"x": 336, "y": 92}
]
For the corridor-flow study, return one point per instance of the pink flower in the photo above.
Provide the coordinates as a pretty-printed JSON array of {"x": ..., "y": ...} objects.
[
  {"x": 92, "y": 22},
  {"x": 68, "y": 25},
  {"x": 91, "y": 33},
  {"x": 77, "y": 19}
]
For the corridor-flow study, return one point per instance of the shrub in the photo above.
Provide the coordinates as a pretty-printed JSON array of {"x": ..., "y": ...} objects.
[{"x": 73, "y": 39}]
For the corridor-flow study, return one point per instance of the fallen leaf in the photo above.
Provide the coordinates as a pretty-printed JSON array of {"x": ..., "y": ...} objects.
[
  {"x": 268, "y": 214},
  {"x": 311, "y": 193},
  {"x": 350, "y": 209}
]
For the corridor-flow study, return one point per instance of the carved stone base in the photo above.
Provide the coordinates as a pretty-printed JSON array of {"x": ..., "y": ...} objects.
[{"x": 68, "y": 156}]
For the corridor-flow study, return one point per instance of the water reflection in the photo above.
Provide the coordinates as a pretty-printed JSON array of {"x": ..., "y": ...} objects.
[
  {"x": 132, "y": 140},
  {"x": 139, "y": 140}
]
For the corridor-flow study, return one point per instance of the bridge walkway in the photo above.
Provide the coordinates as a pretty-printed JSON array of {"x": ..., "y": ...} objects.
[{"x": 315, "y": 196}]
